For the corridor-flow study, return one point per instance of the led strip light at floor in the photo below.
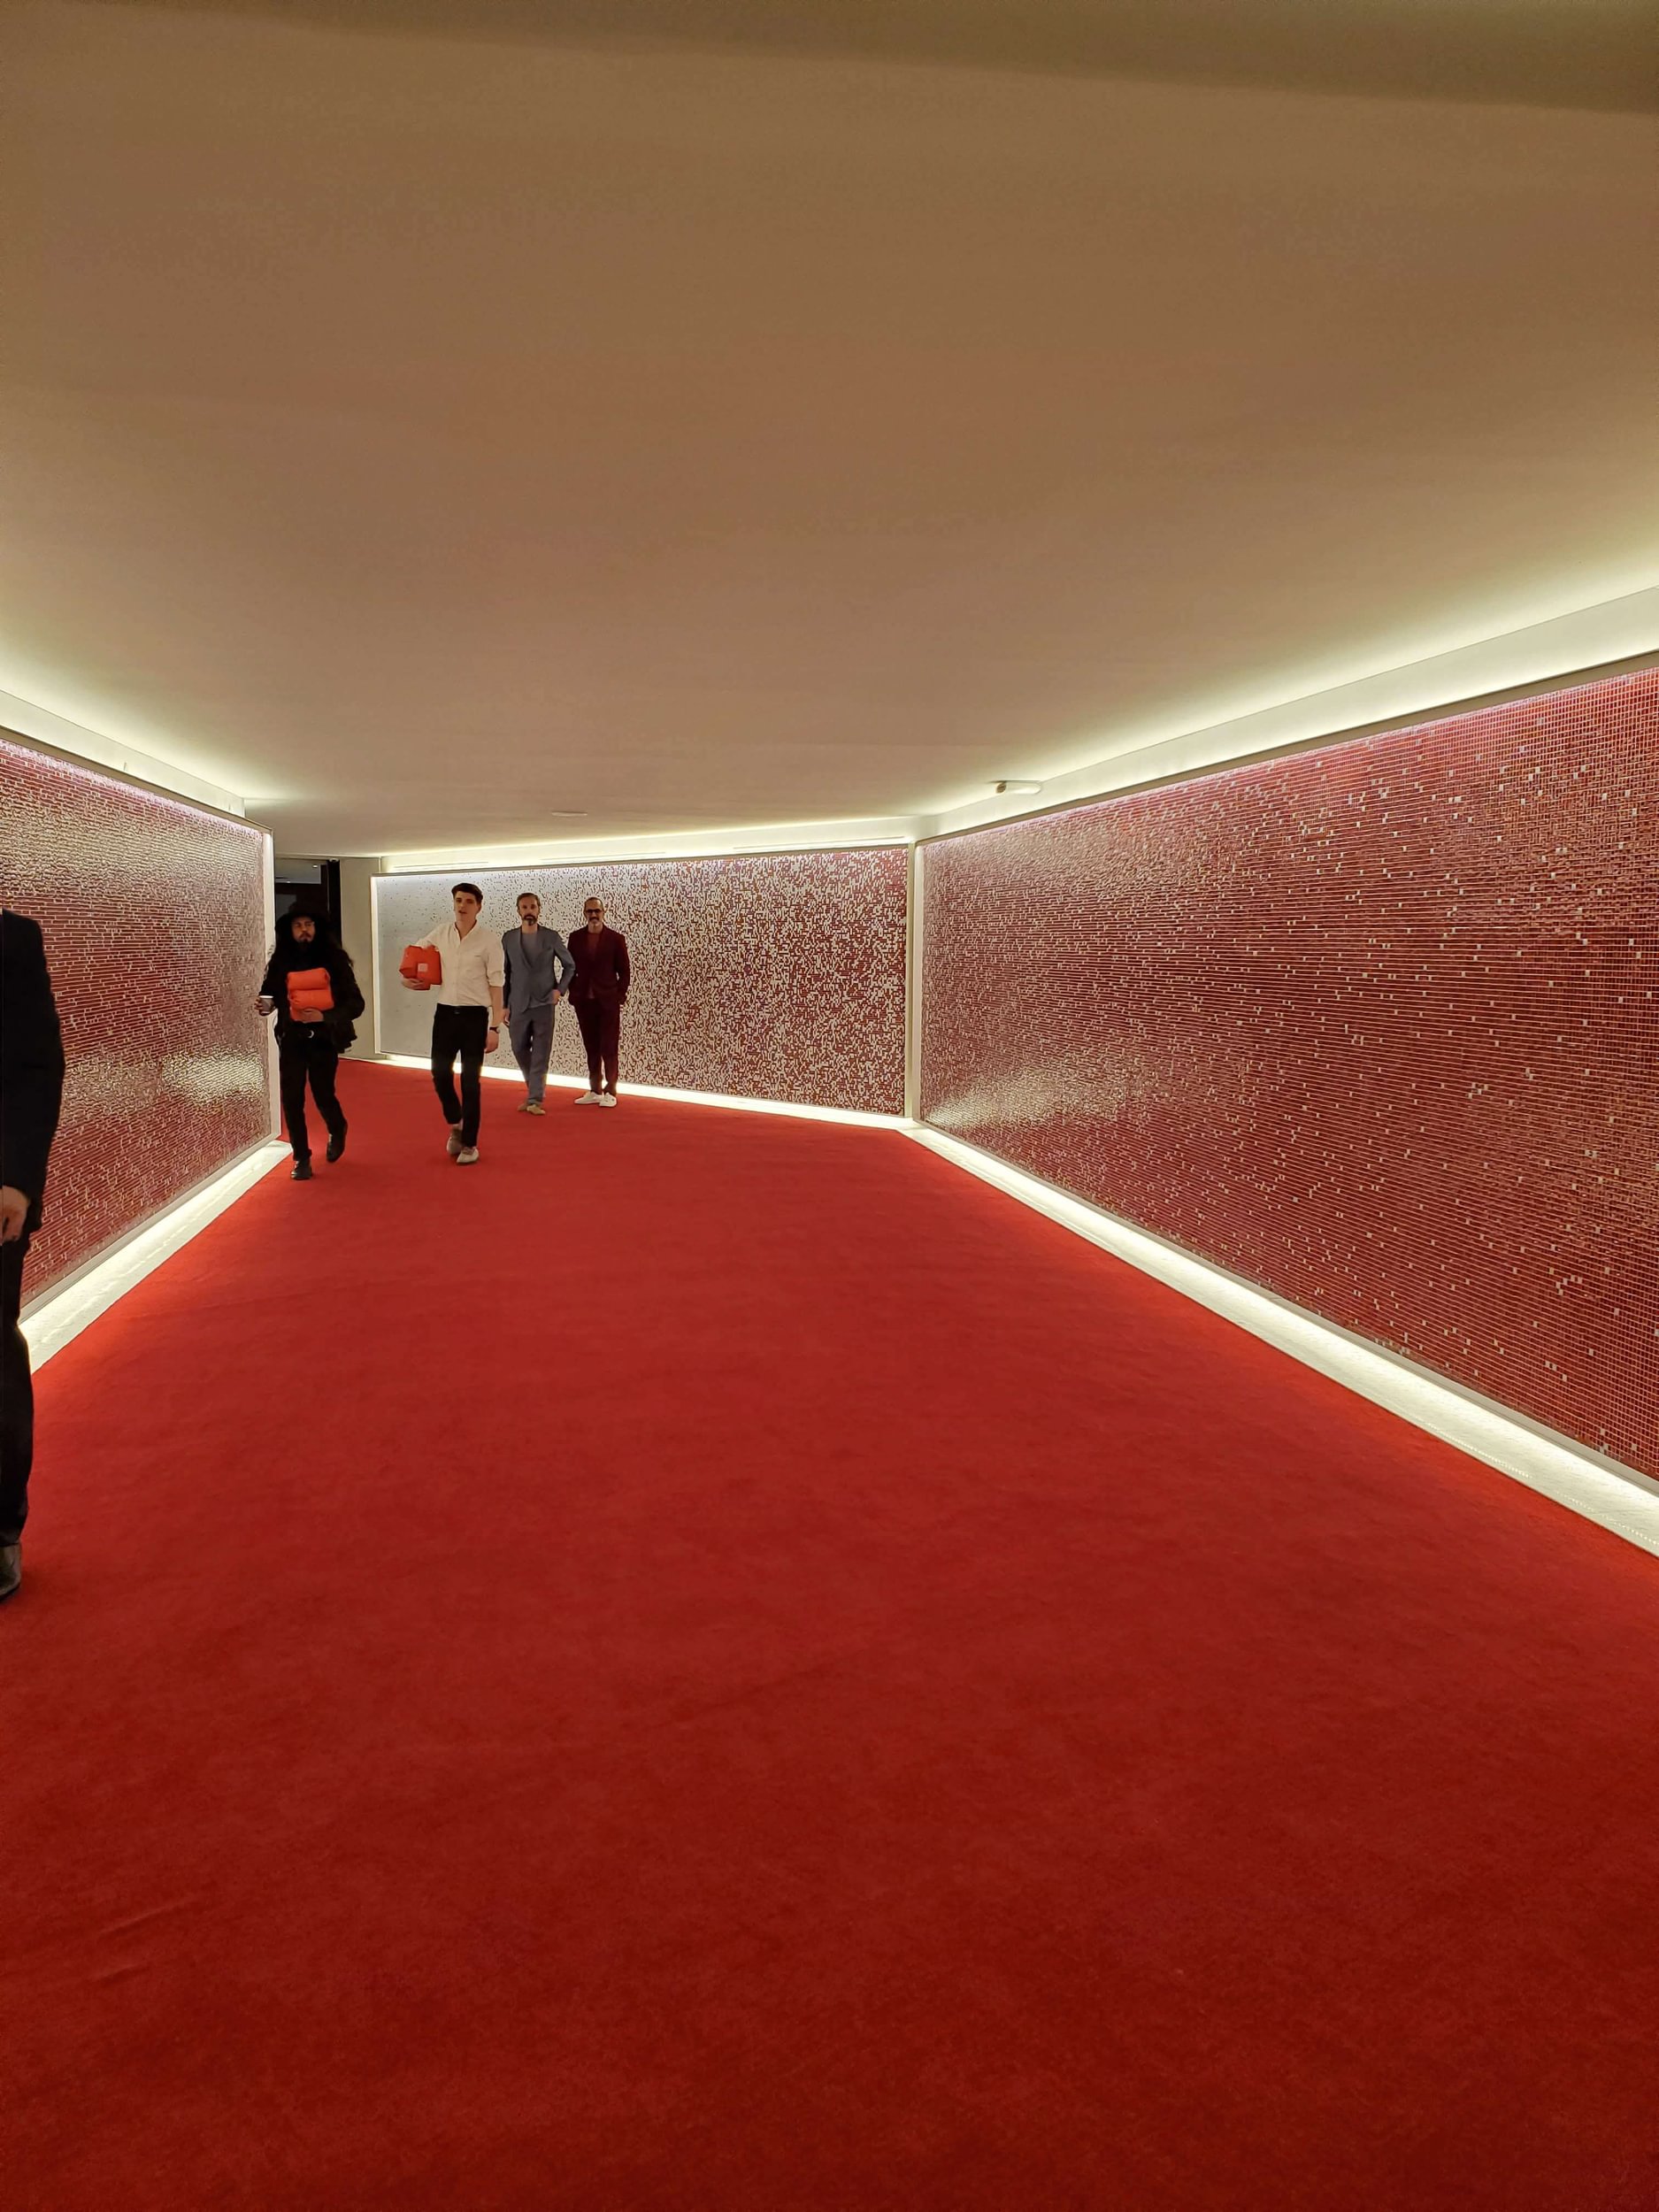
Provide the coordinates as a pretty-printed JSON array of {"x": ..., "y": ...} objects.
[
  {"x": 57, "y": 1317},
  {"x": 1616, "y": 1499},
  {"x": 844, "y": 1114}
]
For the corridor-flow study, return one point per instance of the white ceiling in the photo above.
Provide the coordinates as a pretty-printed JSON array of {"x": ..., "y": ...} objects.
[{"x": 443, "y": 440}]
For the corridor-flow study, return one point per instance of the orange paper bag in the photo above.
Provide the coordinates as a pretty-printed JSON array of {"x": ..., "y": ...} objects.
[
  {"x": 310, "y": 992},
  {"x": 421, "y": 965}
]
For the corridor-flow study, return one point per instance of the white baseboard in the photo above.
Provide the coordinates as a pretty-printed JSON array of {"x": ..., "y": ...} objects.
[
  {"x": 510, "y": 1074},
  {"x": 58, "y": 1316},
  {"x": 1615, "y": 1498}
]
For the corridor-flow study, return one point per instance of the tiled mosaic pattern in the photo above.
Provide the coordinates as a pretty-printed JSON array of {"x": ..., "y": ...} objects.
[
  {"x": 1376, "y": 1027},
  {"x": 763, "y": 975},
  {"x": 154, "y": 915}
]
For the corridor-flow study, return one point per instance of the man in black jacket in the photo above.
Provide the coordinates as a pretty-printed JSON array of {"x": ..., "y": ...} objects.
[
  {"x": 310, "y": 1039},
  {"x": 31, "y": 1092}
]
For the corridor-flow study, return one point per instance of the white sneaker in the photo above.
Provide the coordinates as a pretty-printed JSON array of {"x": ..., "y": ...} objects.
[
  {"x": 591, "y": 1098},
  {"x": 452, "y": 1142},
  {"x": 607, "y": 1098},
  {"x": 467, "y": 1156}
]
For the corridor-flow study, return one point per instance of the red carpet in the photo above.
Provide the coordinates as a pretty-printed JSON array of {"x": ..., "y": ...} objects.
[{"x": 715, "y": 1662}]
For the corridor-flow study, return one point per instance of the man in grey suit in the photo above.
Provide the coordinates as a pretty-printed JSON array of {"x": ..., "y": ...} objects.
[{"x": 539, "y": 966}]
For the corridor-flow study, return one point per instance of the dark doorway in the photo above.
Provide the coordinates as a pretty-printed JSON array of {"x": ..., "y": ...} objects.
[{"x": 311, "y": 883}]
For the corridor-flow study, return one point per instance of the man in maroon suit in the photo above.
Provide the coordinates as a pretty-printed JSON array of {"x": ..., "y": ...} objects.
[{"x": 599, "y": 990}]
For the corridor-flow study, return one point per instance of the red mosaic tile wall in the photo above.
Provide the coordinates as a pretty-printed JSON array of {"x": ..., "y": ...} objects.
[
  {"x": 1376, "y": 1027},
  {"x": 763, "y": 975},
  {"x": 154, "y": 914}
]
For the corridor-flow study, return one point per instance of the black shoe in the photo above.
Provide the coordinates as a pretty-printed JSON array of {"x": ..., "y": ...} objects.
[
  {"x": 11, "y": 1568},
  {"x": 336, "y": 1145},
  {"x": 300, "y": 1172}
]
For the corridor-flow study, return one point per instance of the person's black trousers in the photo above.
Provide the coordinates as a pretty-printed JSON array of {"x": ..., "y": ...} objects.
[
  {"x": 16, "y": 1397},
  {"x": 298, "y": 1060},
  {"x": 463, "y": 1032},
  {"x": 600, "y": 1021}
]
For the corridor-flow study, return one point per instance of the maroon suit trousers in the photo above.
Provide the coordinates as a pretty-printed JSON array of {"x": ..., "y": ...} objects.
[{"x": 600, "y": 1021}]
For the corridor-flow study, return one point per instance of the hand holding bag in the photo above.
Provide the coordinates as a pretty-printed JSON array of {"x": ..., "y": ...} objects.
[{"x": 421, "y": 965}]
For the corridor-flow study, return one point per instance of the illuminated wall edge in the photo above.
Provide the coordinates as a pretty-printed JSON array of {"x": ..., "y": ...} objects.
[
  {"x": 1560, "y": 654},
  {"x": 1615, "y": 1497},
  {"x": 72, "y": 1302},
  {"x": 755, "y": 838},
  {"x": 272, "y": 1073},
  {"x": 849, "y": 1117},
  {"x": 51, "y": 733}
]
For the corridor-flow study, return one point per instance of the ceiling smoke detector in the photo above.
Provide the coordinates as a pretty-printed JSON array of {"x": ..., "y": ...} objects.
[{"x": 1015, "y": 787}]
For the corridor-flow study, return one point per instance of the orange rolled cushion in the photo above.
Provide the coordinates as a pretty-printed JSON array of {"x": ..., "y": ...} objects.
[
  {"x": 308, "y": 991},
  {"x": 421, "y": 965}
]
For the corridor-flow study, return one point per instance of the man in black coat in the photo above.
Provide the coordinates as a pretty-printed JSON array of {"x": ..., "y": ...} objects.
[
  {"x": 310, "y": 1041},
  {"x": 31, "y": 1090}
]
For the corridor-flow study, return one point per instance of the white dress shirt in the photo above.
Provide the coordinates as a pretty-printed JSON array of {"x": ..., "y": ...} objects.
[{"x": 470, "y": 963}]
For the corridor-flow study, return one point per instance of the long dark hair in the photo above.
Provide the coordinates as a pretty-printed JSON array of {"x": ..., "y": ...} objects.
[{"x": 325, "y": 951}]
